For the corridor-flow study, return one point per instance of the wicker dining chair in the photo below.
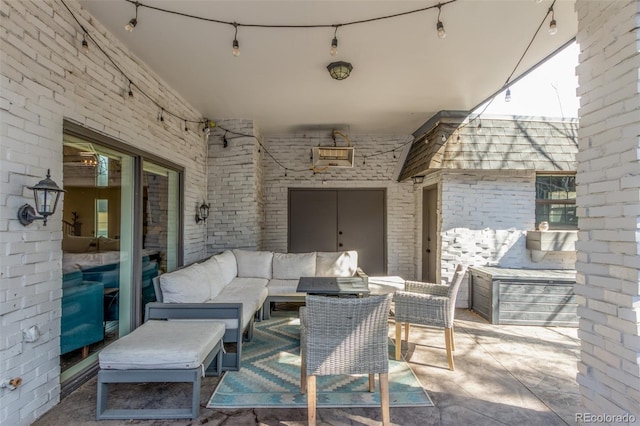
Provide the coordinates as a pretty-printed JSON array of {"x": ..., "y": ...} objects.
[
  {"x": 428, "y": 304},
  {"x": 345, "y": 336}
]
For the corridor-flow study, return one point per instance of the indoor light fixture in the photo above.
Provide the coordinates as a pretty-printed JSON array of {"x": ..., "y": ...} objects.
[
  {"x": 417, "y": 179},
  {"x": 46, "y": 194},
  {"x": 339, "y": 70},
  {"x": 134, "y": 21},
  {"x": 202, "y": 213},
  {"x": 334, "y": 43},
  {"x": 440, "y": 26},
  {"x": 507, "y": 95},
  {"x": 236, "y": 45},
  {"x": 553, "y": 25}
]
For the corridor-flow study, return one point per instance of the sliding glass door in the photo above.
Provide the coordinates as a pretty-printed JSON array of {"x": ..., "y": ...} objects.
[{"x": 121, "y": 228}]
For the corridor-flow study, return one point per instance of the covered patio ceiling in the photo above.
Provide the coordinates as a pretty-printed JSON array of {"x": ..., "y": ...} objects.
[{"x": 403, "y": 73}]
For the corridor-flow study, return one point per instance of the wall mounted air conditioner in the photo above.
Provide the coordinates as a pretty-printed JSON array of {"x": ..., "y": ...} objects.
[{"x": 324, "y": 156}]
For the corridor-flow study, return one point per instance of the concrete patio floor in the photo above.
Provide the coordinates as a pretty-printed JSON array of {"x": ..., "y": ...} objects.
[{"x": 522, "y": 375}]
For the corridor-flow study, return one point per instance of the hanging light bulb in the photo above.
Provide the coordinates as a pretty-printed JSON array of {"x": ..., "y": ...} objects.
[
  {"x": 334, "y": 43},
  {"x": 440, "y": 26},
  {"x": 443, "y": 138},
  {"x": 85, "y": 45},
  {"x": 161, "y": 116},
  {"x": 133, "y": 22},
  {"x": 130, "y": 91},
  {"x": 553, "y": 25},
  {"x": 479, "y": 128},
  {"x": 186, "y": 129},
  {"x": 507, "y": 95},
  {"x": 236, "y": 45}
]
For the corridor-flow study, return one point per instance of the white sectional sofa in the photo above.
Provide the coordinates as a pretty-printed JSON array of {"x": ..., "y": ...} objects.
[{"x": 236, "y": 285}]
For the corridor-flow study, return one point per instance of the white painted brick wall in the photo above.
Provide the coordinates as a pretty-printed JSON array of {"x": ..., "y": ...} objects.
[
  {"x": 485, "y": 216},
  {"x": 608, "y": 198},
  {"x": 378, "y": 172},
  {"x": 235, "y": 187},
  {"x": 45, "y": 78}
]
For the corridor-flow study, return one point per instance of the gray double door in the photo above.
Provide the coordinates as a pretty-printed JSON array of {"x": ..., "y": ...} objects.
[{"x": 340, "y": 219}]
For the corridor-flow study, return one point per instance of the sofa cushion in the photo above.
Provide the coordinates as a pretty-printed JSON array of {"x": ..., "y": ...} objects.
[
  {"x": 77, "y": 244},
  {"x": 251, "y": 292},
  {"x": 228, "y": 265},
  {"x": 336, "y": 264},
  {"x": 254, "y": 264},
  {"x": 151, "y": 346},
  {"x": 213, "y": 275},
  {"x": 278, "y": 287},
  {"x": 108, "y": 244},
  {"x": 290, "y": 266},
  {"x": 186, "y": 285}
]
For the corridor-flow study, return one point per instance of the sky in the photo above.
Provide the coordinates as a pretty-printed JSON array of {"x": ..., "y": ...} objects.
[{"x": 547, "y": 91}]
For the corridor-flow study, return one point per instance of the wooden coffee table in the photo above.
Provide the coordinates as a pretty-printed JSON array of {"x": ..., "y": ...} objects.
[{"x": 334, "y": 286}]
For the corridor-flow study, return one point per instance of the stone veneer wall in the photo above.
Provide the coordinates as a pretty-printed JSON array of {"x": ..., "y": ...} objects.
[
  {"x": 608, "y": 265},
  {"x": 235, "y": 184},
  {"x": 378, "y": 172},
  {"x": 45, "y": 78}
]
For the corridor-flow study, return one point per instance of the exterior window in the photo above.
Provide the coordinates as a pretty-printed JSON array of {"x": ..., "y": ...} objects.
[{"x": 556, "y": 201}]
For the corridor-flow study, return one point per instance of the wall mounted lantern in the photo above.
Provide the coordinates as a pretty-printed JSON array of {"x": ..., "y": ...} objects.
[
  {"x": 46, "y": 194},
  {"x": 202, "y": 213},
  {"x": 339, "y": 70},
  {"x": 417, "y": 179}
]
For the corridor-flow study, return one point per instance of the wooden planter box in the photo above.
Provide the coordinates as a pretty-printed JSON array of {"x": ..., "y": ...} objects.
[{"x": 524, "y": 296}]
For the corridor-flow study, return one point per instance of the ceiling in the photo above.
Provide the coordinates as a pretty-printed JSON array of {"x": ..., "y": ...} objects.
[{"x": 402, "y": 72}]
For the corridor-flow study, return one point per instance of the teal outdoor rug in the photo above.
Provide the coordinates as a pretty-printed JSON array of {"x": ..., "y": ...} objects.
[{"x": 270, "y": 376}]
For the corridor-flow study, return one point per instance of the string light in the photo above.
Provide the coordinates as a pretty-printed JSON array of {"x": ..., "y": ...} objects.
[
  {"x": 553, "y": 25},
  {"x": 334, "y": 43},
  {"x": 440, "y": 26},
  {"x": 479, "y": 128},
  {"x": 134, "y": 21},
  {"x": 186, "y": 129},
  {"x": 507, "y": 95},
  {"x": 225, "y": 142},
  {"x": 130, "y": 91},
  {"x": 85, "y": 45},
  {"x": 161, "y": 115},
  {"x": 443, "y": 138},
  {"x": 236, "y": 45}
]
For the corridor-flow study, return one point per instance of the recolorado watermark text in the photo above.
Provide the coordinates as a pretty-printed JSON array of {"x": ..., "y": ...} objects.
[{"x": 605, "y": 418}]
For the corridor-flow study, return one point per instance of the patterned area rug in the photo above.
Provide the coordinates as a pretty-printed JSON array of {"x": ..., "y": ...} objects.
[{"x": 270, "y": 376}]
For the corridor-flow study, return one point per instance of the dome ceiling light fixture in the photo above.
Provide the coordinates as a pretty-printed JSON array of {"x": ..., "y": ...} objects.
[{"x": 339, "y": 70}]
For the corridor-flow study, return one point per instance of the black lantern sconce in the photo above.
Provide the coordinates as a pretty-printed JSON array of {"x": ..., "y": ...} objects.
[
  {"x": 417, "y": 179},
  {"x": 202, "y": 213},
  {"x": 46, "y": 194}
]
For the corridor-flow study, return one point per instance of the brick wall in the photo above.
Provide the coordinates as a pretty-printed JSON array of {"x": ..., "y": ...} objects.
[
  {"x": 608, "y": 199},
  {"x": 45, "y": 78},
  {"x": 235, "y": 187},
  {"x": 293, "y": 152}
]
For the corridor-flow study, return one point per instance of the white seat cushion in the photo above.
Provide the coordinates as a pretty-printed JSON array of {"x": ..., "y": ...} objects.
[
  {"x": 163, "y": 345},
  {"x": 228, "y": 265},
  {"x": 251, "y": 292},
  {"x": 186, "y": 285},
  {"x": 290, "y": 266},
  {"x": 213, "y": 275},
  {"x": 283, "y": 288},
  {"x": 336, "y": 264},
  {"x": 254, "y": 264}
]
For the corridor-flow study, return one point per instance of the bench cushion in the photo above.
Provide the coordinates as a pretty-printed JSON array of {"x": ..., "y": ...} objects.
[
  {"x": 163, "y": 345},
  {"x": 290, "y": 266},
  {"x": 228, "y": 265}
]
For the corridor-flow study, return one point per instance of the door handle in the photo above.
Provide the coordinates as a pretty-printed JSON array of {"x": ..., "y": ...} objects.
[
  {"x": 340, "y": 245},
  {"x": 428, "y": 250},
  {"x": 339, "y": 232}
]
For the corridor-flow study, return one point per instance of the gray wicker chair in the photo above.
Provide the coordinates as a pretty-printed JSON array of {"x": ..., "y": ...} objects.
[
  {"x": 428, "y": 304},
  {"x": 345, "y": 336}
]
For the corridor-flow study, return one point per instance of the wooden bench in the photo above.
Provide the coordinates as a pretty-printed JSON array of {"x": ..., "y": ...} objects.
[{"x": 161, "y": 351}]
